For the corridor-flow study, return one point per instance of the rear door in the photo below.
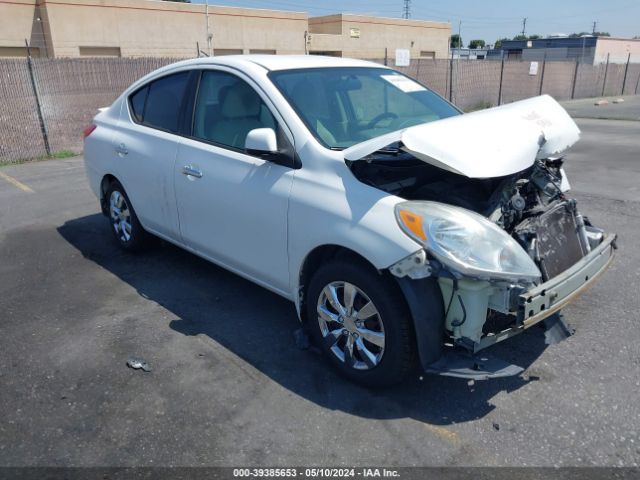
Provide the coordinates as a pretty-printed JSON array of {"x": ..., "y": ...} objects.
[
  {"x": 146, "y": 145},
  {"x": 233, "y": 206}
]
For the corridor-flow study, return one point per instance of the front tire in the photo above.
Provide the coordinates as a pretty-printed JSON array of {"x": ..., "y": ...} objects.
[
  {"x": 125, "y": 225},
  {"x": 361, "y": 322}
]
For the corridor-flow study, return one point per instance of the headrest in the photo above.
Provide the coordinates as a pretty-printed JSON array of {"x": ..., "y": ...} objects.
[{"x": 241, "y": 101}]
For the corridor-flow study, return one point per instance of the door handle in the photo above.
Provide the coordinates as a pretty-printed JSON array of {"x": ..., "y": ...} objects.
[
  {"x": 122, "y": 150},
  {"x": 191, "y": 171}
]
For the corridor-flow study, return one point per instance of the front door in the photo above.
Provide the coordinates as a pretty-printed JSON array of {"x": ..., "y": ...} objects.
[{"x": 232, "y": 206}]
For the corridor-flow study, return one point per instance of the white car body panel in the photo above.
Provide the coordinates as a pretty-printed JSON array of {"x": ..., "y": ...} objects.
[
  {"x": 351, "y": 214},
  {"x": 237, "y": 211},
  {"x": 151, "y": 183},
  {"x": 98, "y": 151},
  {"x": 267, "y": 217},
  {"x": 262, "y": 209},
  {"x": 520, "y": 132}
]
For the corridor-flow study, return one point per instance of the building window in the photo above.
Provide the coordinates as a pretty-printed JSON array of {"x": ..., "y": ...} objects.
[
  {"x": 19, "y": 52},
  {"x": 100, "y": 52},
  {"x": 262, "y": 51},
  {"x": 326, "y": 53},
  {"x": 227, "y": 51},
  {"x": 427, "y": 54}
]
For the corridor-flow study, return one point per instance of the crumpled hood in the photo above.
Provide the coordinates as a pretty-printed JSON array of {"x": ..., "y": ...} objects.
[{"x": 489, "y": 143}]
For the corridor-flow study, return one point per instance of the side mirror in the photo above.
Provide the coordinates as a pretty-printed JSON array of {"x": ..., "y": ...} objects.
[{"x": 261, "y": 141}]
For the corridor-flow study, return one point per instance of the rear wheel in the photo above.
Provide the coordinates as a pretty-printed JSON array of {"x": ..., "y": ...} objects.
[
  {"x": 124, "y": 223},
  {"x": 361, "y": 322}
]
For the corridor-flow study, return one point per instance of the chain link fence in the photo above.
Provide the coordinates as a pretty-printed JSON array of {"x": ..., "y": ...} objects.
[
  {"x": 46, "y": 103},
  {"x": 476, "y": 84}
]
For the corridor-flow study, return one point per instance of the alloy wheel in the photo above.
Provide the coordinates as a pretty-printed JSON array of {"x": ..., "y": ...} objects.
[
  {"x": 351, "y": 325},
  {"x": 120, "y": 216}
]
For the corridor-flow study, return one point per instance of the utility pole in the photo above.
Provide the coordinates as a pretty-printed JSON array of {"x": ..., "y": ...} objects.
[
  {"x": 44, "y": 36},
  {"x": 406, "y": 11},
  {"x": 593, "y": 31},
  {"x": 524, "y": 26},
  {"x": 209, "y": 34}
]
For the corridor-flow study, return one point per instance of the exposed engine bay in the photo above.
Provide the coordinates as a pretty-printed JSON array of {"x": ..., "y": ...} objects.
[
  {"x": 504, "y": 247},
  {"x": 530, "y": 205}
]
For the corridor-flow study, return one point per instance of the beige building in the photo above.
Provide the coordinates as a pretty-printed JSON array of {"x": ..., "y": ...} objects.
[
  {"x": 369, "y": 37},
  {"x": 143, "y": 28},
  {"x": 137, "y": 28},
  {"x": 618, "y": 50}
]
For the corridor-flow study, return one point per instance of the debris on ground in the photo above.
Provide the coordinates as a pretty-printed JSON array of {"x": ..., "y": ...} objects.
[
  {"x": 496, "y": 426},
  {"x": 301, "y": 338},
  {"x": 619, "y": 100},
  {"x": 556, "y": 329},
  {"x": 600, "y": 103},
  {"x": 138, "y": 364}
]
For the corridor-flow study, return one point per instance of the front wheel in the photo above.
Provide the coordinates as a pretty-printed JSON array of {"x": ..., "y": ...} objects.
[{"x": 360, "y": 320}]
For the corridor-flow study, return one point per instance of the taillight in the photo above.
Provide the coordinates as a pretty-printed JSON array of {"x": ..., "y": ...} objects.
[{"x": 88, "y": 130}]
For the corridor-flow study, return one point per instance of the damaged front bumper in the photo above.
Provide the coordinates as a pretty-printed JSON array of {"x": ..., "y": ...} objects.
[
  {"x": 548, "y": 298},
  {"x": 467, "y": 304}
]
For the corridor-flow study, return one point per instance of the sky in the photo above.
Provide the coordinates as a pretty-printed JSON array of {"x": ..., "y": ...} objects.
[{"x": 486, "y": 19}]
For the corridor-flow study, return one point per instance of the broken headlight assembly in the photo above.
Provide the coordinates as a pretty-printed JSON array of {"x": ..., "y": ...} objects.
[{"x": 466, "y": 242}]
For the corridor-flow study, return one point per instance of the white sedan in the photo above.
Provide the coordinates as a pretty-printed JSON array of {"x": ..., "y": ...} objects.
[{"x": 404, "y": 231}]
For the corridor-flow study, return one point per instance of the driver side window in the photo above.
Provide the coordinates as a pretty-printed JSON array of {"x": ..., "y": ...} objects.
[{"x": 227, "y": 109}]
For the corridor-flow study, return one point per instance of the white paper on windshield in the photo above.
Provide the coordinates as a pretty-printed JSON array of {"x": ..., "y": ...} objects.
[{"x": 403, "y": 83}]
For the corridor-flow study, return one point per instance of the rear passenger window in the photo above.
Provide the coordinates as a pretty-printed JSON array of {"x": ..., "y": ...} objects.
[
  {"x": 138, "y": 100},
  {"x": 158, "y": 105}
]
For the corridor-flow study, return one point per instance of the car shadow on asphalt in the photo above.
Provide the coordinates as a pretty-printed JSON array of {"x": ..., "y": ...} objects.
[{"x": 259, "y": 327}]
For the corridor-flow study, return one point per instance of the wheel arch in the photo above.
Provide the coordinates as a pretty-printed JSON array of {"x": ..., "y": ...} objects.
[
  {"x": 316, "y": 257},
  {"x": 105, "y": 183},
  {"x": 422, "y": 298}
]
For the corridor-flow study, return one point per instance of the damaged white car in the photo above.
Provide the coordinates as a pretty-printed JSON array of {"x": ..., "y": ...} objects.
[{"x": 360, "y": 195}]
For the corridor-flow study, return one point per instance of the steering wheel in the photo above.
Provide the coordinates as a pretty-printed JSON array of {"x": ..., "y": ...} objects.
[{"x": 381, "y": 117}]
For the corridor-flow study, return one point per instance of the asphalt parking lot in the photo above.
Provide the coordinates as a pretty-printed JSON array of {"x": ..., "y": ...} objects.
[
  {"x": 628, "y": 109},
  {"x": 228, "y": 385}
]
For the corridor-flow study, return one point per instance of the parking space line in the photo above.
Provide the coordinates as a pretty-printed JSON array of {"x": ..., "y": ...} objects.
[
  {"x": 445, "y": 434},
  {"x": 16, "y": 183}
]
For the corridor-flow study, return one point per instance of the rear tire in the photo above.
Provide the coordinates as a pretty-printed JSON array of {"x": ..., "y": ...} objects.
[
  {"x": 361, "y": 322},
  {"x": 125, "y": 226}
]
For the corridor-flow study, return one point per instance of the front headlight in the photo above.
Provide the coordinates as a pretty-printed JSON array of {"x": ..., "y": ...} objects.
[{"x": 466, "y": 241}]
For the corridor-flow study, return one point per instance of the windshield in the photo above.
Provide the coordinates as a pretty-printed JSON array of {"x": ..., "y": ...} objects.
[{"x": 345, "y": 106}]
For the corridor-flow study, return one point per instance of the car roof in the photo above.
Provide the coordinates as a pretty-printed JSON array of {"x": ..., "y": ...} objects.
[{"x": 281, "y": 62}]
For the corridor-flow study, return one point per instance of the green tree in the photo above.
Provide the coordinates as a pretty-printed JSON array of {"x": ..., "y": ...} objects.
[
  {"x": 526, "y": 37},
  {"x": 477, "y": 44},
  {"x": 456, "y": 41},
  {"x": 498, "y": 43},
  {"x": 595, "y": 34}
]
